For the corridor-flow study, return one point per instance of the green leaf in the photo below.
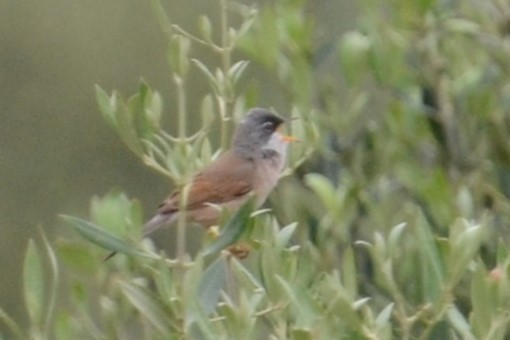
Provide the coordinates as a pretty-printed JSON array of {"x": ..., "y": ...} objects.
[
  {"x": 165, "y": 280},
  {"x": 153, "y": 110},
  {"x": 394, "y": 238},
  {"x": 178, "y": 51},
  {"x": 213, "y": 281},
  {"x": 136, "y": 107},
  {"x": 325, "y": 190},
  {"x": 235, "y": 227},
  {"x": 237, "y": 70},
  {"x": 148, "y": 306},
  {"x": 354, "y": 51},
  {"x": 210, "y": 77},
  {"x": 207, "y": 110},
  {"x": 268, "y": 265},
  {"x": 231, "y": 317},
  {"x": 347, "y": 311},
  {"x": 349, "y": 274},
  {"x": 116, "y": 212},
  {"x": 146, "y": 108},
  {"x": 464, "y": 248},
  {"x": 101, "y": 237},
  {"x": 302, "y": 306},
  {"x": 483, "y": 302},
  {"x": 360, "y": 303},
  {"x": 380, "y": 248},
  {"x": 52, "y": 294},
  {"x": 120, "y": 117},
  {"x": 502, "y": 251},
  {"x": 107, "y": 106},
  {"x": 284, "y": 235},
  {"x": 77, "y": 255},
  {"x": 458, "y": 321},
  {"x": 197, "y": 317},
  {"x": 430, "y": 262},
  {"x": 384, "y": 316},
  {"x": 205, "y": 28},
  {"x": 126, "y": 128},
  {"x": 164, "y": 21},
  {"x": 245, "y": 277},
  {"x": 33, "y": 285}
]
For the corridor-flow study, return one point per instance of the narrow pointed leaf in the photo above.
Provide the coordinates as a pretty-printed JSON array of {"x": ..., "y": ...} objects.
[
  {"x": 464, "y": 249},
  {"x": 482, "y": 300},
  {"x": 459, "y": 322},
  {"x": 154, "y": 109},
  {"x": 349, "y": 274},
  {"x": 285, "y": 234},
  {"x": 52, "y": 292},
  {"x": 244, "y": 275},
  {"x": 346, "y": 311},
  {"x": 430, "y": 261},
  {"x": 148, "y": 306},
  {"x": 240, "y": 222},
  {"x": 384, "y": 316},
  {"x": 303, "y": 308},
  {"x": 237, "y": 70},
  {"x": 212, "y": 80},
  {"x": 395, "y": 236},
  {"x": 207, "y": 110},
  {"x": 33, "y": 285},
  {"x": 324, "y": 189},
  {"x": 213, "y": 281},
  {"x": 101, "y": 237},
  {"x": 125, "y": 127},
  {"x": 106, "y": 106}
]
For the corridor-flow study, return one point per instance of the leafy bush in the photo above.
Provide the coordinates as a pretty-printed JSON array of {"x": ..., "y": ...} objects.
[{"x": 396, "y": 227}]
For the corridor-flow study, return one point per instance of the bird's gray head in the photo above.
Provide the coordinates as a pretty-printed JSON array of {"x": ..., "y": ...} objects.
[{"x": 255, "y": 131}]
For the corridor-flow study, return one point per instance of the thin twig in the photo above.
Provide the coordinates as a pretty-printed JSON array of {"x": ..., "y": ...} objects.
[{"x": 224, "y": 102}]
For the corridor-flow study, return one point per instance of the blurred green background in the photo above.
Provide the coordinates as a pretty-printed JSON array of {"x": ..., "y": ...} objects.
[{"x": 56, "y": 152}]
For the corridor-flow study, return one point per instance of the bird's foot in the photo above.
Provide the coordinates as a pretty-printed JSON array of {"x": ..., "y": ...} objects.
[{"x": 240, "y": 250}]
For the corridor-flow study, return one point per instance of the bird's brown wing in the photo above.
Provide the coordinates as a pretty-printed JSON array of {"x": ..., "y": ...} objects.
[{"x": 227, "y": 178}]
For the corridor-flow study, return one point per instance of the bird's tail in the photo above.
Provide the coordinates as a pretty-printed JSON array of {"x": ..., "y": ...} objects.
[{"x": 157, "y": 222}]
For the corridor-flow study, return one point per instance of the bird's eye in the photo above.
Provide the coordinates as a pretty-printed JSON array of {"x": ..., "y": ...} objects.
[{"x": 268, "y": 126}]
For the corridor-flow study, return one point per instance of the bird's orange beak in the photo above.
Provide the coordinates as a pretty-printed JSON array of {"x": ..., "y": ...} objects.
[{"x": 288, "y": 139}]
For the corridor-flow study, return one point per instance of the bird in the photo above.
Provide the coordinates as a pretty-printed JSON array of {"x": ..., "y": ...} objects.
[{"x": 250, "y": 168}]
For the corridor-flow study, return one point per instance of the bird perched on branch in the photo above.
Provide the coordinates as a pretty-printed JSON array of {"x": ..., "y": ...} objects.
[{"x": 251, "y": 167}]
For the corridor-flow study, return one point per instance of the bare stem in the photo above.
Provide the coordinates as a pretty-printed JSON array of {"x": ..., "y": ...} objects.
[
  {"x": 400, "y": 302},
  {"x": 225, "y": 44},
  {"x": 181, "y": 106},
  {"x": 181, "y": 114},
  {"x": 225, "y": 102},
  {"x": 444, "y": 303},
  {"x": 181, "y": 236},
  {"x": 224, "y": 123},
  {"x": 180, "y": 30}
]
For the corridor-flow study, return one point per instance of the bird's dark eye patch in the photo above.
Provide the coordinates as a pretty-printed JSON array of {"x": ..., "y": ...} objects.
[{"x": 268, "y": 126}]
